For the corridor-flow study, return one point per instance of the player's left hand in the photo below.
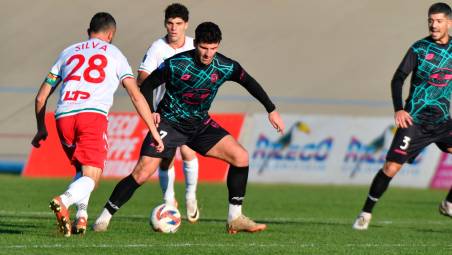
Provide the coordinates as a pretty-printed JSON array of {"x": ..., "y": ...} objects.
[
  {"x": 41, "y": 135},
  {"x": 276, "y": 121}
]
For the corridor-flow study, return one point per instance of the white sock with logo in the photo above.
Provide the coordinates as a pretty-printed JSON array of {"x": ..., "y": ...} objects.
[
  {"x": 234, "y": 212},
  {"x": 166, "y": 179},
  {"x": 78, "y": 190},
  {"x": 191, "y": 178}
]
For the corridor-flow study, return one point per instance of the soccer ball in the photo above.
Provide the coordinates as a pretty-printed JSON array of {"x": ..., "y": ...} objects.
[{"x": 165, "y": 218}]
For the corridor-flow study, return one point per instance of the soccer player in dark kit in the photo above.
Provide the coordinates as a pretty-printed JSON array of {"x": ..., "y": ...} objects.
[
  {"x": 425, "y": 119},
  {"x": 192, "y": 79}
]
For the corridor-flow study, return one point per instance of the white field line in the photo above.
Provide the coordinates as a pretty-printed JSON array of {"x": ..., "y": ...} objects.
[
  {"x": 219, "y": 245},
  {"x": 408, "y": 221}
]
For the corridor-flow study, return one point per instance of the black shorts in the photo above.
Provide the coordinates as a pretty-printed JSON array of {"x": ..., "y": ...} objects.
[
  {"x": 201, "y": 139},
  {"x": 409, "y": 142}
]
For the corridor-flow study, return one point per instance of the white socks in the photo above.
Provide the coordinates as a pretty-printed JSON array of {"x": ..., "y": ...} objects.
[
  {"x": 78, "y": 190},
  {"x": 105, "y": 216},
  {"x": 166, "y": 179},
  {"x": 234, "y": 212},
  {"x": 191, "y": 178},
  {"x": 82, "y": 208}
]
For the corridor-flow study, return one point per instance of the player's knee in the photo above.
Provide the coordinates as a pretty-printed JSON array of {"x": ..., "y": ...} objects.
[
  {"x": 240, "y": 158},
  {"x": 188, "y": 155},
  {"x": 391, "y": 168},
  {"x": 142, "y": 172}
]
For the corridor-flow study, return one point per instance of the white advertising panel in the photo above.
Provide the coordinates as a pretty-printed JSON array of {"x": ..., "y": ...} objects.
[{"x": 329, "y": 150}]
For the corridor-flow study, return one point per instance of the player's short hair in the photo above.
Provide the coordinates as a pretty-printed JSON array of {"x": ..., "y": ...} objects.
[
  {"x": 207, "y": 32},
  {"x": 440, "y": 8},
  {"x": 176, "y": 10},
  {"x": 101, "y": 21}
]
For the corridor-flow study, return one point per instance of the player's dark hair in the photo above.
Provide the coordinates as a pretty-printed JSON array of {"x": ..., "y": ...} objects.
[
  {"x": 207, "y": 32},
  {"x": 101, "y": 21},
  {"x": 176, "y": 11},
  {"x": 440, "y": 8}
]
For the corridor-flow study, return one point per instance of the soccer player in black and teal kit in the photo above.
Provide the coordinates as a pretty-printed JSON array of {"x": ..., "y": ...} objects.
[
  {"x": 192, "y": 79},
  {"x": 425, "y": 119}
]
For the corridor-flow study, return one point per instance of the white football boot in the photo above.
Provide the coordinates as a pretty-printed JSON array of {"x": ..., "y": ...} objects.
[
  {"x": 362, "y": 221},
  {"x": 445, "y": 208},
  {"x": 192, "y": 210}
]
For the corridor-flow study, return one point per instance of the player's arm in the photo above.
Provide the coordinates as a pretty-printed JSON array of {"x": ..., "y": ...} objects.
[
  {"x": 153, "y": 81},
  {"x": 255, "y": 89},
  {"x": 148, "y": 64},
  {"x": 46, "y": 89},
  {"x": 140, "y": 104},
  {"x": 401, "y": 117}
]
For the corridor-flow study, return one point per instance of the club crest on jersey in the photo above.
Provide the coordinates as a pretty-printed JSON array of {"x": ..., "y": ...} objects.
[{"x": 214, "y": 77}]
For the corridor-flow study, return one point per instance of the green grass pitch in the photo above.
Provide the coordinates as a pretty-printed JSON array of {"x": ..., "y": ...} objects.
[{"x": 301, "y": 219}]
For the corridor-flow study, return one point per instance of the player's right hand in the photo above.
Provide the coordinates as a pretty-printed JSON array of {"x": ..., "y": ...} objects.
[
  {"x": 156, "y": 117},
  {"x": 403, "y": 119},
  {"x": 41, "y": 135},
  {"x": 159, "y": 147}
]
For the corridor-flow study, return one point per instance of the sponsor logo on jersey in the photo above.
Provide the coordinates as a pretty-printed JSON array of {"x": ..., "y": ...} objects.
[
  {"x": 440, "y": 77},
  {"x": 185, "y": 77},
  {"x": 429, "y": 56},
  {"x": 195, "y": 96}
]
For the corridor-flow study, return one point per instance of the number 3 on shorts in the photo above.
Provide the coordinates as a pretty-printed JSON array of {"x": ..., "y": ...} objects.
[
  {"x": 163, "y": 133},
  {"x": 406, "y": 142}
]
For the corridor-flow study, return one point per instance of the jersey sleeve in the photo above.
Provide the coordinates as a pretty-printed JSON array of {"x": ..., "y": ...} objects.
[
  {"x": 407, "y": 65},
  {"x": 123, "y": 70},
  {"x": 150, "y": 60},
  {"x": 240, "y": 76},
  {"x": 54, "y": 76}
]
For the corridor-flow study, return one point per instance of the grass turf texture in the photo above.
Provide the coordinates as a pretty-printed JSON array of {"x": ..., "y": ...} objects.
[{"x": 301, "y": 220}]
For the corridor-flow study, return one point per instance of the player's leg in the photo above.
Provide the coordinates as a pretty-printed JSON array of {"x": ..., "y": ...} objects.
[
  {"x": 190, "y": 167},
  {"x": 445, "y": 207},
  {"x": 123, "y": 191},
  {"x": 229, "y": 150},
  {"x": 146, "y": 166},
  {"x": 444, "y": 143},
  {"x": 80, "y": 223},
  {"x": 167, "y": 177},
  {"x": 407, "y": 143}
]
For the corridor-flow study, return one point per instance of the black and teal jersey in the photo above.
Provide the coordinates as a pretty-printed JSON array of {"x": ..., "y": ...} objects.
[
  {"x": 191, "y": 86},
  {"x": 429, "y": 97}
]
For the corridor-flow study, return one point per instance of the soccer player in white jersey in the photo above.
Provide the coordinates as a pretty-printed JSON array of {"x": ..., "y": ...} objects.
[
  {"x": 89, "y": 73},
  {"x": 175, "y": 41}
]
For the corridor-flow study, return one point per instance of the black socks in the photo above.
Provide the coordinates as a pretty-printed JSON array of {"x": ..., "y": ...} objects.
[
  {"x": 378, "y": 187},
  {"x": 121, "y": 194},
  {"x": 236, "y": 182}
]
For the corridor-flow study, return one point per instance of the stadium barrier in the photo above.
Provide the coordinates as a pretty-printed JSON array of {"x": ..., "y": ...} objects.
[
  {"x": 315, "y": 149},
  {"x": 125, "y": 134}
]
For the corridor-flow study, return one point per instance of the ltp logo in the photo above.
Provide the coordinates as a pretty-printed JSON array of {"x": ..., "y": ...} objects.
[{"x": 291, "y": 150}]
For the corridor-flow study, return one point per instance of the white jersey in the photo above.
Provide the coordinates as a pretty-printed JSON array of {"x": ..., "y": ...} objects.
[
  {"x": 90, "y": 72},
  {"x": 155, "y": 55}
]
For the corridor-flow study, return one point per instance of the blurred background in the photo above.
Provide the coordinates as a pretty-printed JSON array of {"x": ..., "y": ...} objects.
[{"x": 333, "y": 57}]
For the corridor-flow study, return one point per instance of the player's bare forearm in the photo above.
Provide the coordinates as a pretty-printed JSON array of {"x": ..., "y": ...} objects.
[
  {"x": 40, "y": 110},
  {"x": 40, "y": 104},
  {"x": 142, "y": 108}
]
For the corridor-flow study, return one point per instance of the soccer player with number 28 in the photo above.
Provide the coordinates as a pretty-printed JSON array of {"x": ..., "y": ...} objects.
[{"x": 90, "y": 73}]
